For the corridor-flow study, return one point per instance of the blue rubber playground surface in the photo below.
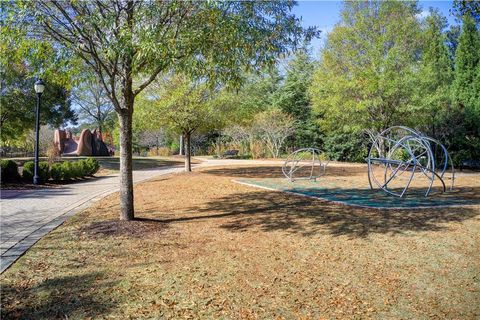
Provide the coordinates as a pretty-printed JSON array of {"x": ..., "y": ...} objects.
[{"x": 344, "y": 192}]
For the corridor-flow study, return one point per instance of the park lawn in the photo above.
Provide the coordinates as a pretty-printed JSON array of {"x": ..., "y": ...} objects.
[
  {"x": 112, "y": 164},
  {"x": 205, "y": 247}
]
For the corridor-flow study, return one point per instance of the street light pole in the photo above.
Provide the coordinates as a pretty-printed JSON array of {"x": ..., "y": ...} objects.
[{"x": 39, "y": 87}]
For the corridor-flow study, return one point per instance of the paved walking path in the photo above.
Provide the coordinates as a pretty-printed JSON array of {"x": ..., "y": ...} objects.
[{"x": 28, "y": 215}]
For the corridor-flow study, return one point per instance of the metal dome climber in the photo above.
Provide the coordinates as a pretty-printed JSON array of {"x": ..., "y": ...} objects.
[
  {"x": 308, "y": 158},
  {"x": 401, "y": 150}
]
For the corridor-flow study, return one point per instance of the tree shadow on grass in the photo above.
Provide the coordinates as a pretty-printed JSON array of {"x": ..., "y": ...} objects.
[
  {"x": 66, "y": 297},
  {"x": 277, "y": 211},
  {"x": 113, "y": 163},
  {"x": 276, "y": 171}
]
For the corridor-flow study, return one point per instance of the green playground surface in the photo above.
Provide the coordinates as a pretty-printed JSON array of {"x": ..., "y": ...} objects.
[{"x": 344, "y": 191}]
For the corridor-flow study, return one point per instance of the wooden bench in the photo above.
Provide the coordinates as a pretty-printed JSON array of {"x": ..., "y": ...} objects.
[{"x": 230, "y": 153}]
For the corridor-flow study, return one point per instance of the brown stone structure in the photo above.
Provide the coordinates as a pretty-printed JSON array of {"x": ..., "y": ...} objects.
[{"x": 87, "y": 144}]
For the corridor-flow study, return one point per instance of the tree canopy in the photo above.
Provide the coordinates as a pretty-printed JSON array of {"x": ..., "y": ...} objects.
[
  {"x": 365, "y": 77},
  {"x": 129, "y": 43},
  {"x": 22, "y": 60}
]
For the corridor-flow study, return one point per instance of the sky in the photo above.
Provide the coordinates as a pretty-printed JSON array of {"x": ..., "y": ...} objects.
[{"x": 325, "y": 14}]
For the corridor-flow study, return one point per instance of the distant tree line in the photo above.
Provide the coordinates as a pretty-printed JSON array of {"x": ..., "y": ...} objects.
[{"x": 383, "y": 64}]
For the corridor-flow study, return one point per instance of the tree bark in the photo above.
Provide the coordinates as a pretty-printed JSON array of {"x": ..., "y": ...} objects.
[
  {"x": 188, "y": 163},
  {"x": 126, "y": 177},
  {"x": 180, "y": 152},
  {"x": 100, "y": 130}
]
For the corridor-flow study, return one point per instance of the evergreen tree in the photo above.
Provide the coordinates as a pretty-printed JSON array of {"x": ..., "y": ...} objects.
[
  {"x": 462, "y": 124},
  {"x": 257, "y": 95},
  {"x": 436, "y": 74},
  {"x": 293, "y": 98},
  {"x": 467, "y": 58},
  {"x": 462, "y": 8}
]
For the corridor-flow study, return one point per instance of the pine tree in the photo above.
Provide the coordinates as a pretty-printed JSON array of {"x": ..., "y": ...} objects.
[
  {"x": 467, "y": 58},
  {"x": 293, "y": 98},
  {"x": 436, "y": 74},
  {"x": 465, "y": 131}
]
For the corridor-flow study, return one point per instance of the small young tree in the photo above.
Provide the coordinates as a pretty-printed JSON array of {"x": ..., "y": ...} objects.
[
  {"x": 273, "y": 128},
  {"x": 187, "y": 107}
]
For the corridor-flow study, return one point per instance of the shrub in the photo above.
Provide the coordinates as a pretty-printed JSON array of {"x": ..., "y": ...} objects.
[
  {"x": 53, "y": 153},
  {"x": 257, "y": 149},
  {"x": 92, "y": 166},
  {"x": 84, "y": 168},
  {"x": 76, "y": 169},
  {"x": 9, "y": 171},
  {"x": 162, "y": 152},
  {"x": 67, "y": 173},
  {"x": 29, "y": 171},
  {"x": 56, "y": 171},
  {"x": 44, "y": 171},
  {"x": 346, "y": 146}
]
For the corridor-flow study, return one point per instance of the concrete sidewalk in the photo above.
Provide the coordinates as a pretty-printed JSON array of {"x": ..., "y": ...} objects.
[{"x": 28, "y": 215}]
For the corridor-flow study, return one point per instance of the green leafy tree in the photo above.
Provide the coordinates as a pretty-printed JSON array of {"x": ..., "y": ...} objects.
[
  {"x": 467, "y": 58},
  {"x": 18, "y": 100},
  {"x": 129, "y": 43},
  {"x": 21, "y": 60},
  {"x": 435, "y": 74},
  {"x": 452, "y": 34},
  {"x": 181, "y": 105},
  {"x": 256, "y": 95},
  {"x": 366, "y": 73},
  {"x": 462, "y": 8},
  {"x": 465, "y": 136},
  {"x": 294, "y": 99}
]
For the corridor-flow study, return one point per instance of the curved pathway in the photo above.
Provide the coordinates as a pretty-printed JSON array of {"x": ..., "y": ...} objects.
[{"x": 28, "y": 215}]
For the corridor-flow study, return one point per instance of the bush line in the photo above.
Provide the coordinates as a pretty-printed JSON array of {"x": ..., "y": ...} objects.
[{"x": 60, "y": 171}]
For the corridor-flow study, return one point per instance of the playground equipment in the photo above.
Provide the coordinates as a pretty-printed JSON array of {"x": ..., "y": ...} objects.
[
  {"x": 87, "y": 144},
  {"x": 308, "y": 158},
  {"x": 399, "y": 151}
]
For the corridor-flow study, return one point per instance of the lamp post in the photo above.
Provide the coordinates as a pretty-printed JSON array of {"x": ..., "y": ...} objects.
[{"x": 39, "y": 87}]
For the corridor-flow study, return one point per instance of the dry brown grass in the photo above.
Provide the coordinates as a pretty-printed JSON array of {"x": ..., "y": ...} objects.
[{"x": 209, "y": 248}]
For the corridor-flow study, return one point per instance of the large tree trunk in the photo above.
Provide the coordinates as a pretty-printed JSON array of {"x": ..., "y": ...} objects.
[
  {"x": 126, "y": 178},
  {"x": 188, "y": 163}
]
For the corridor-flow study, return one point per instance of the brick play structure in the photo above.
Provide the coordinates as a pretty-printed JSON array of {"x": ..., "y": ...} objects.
[{"x": 87, "y": 144}]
